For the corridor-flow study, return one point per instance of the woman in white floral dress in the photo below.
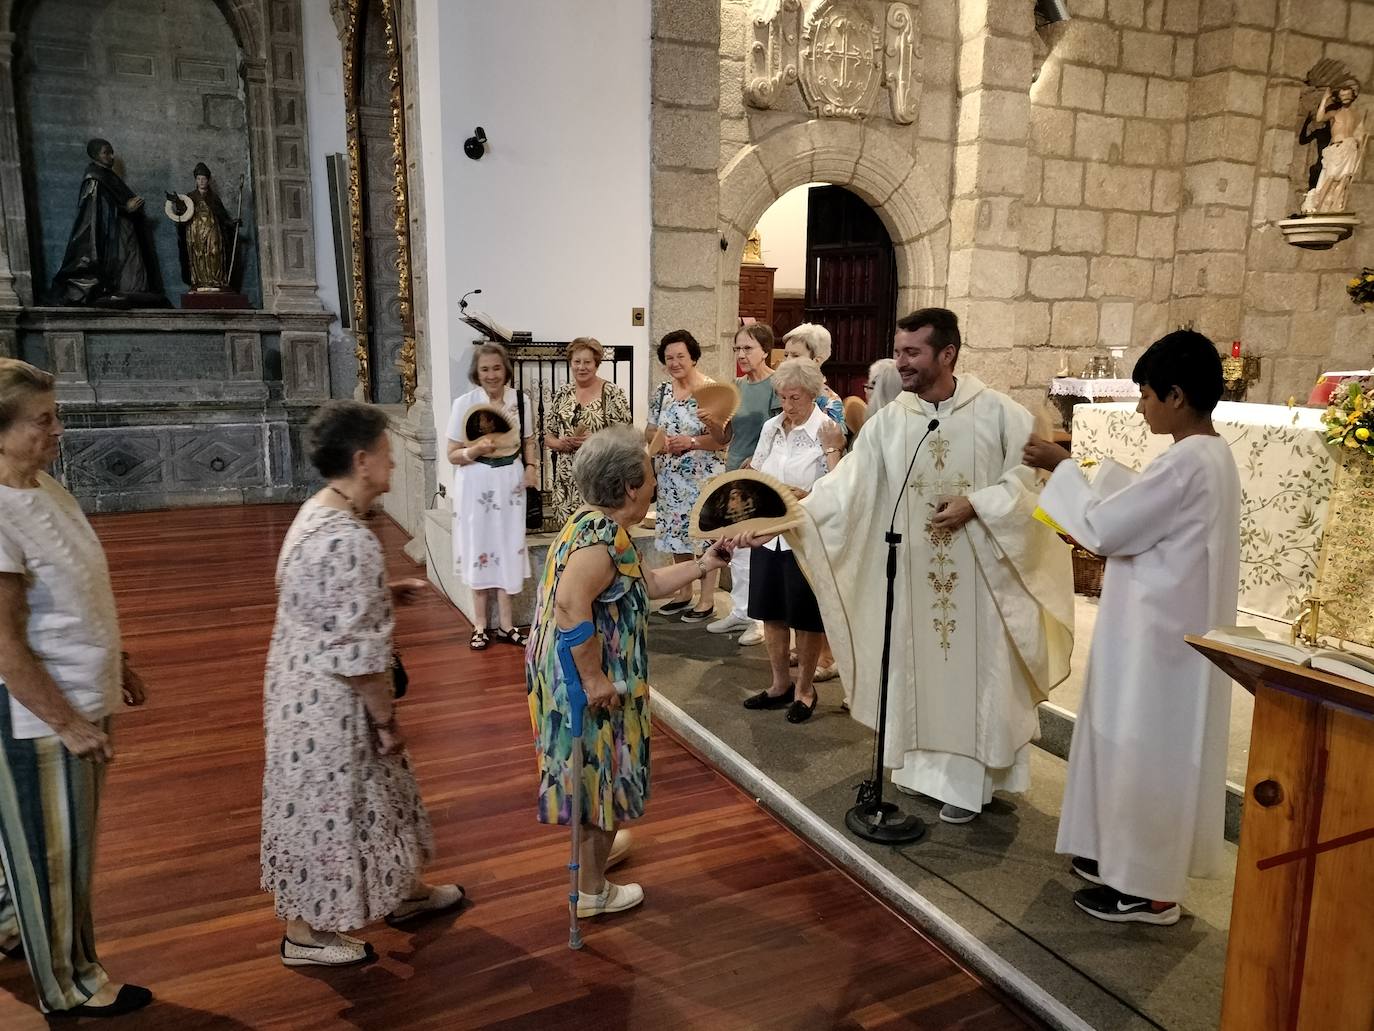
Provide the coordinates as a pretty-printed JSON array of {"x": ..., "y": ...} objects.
[
  {"x": 690, "y": 457},
  {"x": 344, "y": 833}
]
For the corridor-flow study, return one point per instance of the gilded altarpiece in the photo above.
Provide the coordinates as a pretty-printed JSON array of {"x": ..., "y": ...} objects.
[
  {"x": 378, "y": 314},
  {"x": 1346, "y": 568}
]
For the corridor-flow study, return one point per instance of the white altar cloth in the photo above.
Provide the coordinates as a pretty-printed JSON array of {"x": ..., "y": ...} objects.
[{"x": 1286, "y": 470}]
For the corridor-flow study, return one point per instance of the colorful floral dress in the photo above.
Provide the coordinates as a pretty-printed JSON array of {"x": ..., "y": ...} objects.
[
  {"x": 611, "y": 407},
  {"x": 344, "y": 832},
  {"x": 615, "y": 745},
  {"x": 680, "y": 477}
]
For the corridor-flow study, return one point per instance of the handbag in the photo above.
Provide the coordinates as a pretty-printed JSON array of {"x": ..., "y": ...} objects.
[
  {"x": 534, "y": 501},
  {"x": 400, "y": 679}
]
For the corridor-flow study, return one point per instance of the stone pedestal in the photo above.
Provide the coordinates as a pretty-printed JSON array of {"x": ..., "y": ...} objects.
[
  {"x": 1317, "y": 232},
  {"x": 176, "y": 408}
]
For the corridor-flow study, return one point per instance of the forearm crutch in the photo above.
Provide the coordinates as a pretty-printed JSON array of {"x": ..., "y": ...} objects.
[{"x": 565, "y": 642}]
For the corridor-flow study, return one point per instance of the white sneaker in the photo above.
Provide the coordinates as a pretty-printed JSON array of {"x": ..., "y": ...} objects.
[
  {"x": 615, "y": 899},
  {"x": 754, "y": 635},
  {"x": 733, "y": 621}
]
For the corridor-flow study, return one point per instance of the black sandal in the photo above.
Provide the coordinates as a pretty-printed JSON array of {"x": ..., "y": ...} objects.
[
  {"x": 479, "y": 641},
  {"x": 513, "y": 636}
]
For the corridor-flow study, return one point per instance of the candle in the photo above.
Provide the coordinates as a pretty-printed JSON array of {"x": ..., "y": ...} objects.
[{"x": 1235, "y": 349}]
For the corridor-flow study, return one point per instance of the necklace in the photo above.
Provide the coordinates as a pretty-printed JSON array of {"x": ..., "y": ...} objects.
[{"x": 351, "y": 507}]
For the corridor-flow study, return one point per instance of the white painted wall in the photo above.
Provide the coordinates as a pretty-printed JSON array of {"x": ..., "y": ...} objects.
[
  {"x": 553, "y": 223},
  {"x": 783, "y": 230},
  {"x": 324, "y": 121}
]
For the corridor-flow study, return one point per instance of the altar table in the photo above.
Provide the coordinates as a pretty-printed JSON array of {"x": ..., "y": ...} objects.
[{"x": 1286, "y": 470}]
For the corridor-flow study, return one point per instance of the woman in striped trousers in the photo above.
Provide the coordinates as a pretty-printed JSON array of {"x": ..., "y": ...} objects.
[{"x": 61, "y": 675}]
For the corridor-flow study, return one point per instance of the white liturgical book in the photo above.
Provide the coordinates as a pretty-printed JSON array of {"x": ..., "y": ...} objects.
[{"x": 1328, "y": 660}]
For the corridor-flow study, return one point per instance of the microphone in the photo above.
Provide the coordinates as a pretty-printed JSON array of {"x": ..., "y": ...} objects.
[
  {"x": 934, "y": 425},
  {"x": 463, "y": 304}
]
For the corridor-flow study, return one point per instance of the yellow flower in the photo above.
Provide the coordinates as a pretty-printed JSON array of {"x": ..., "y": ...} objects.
[
  {"x": 1353, "y": 283},
  {"x": 1351, "y": 442},
  {"x": 1362, "y": 434}
]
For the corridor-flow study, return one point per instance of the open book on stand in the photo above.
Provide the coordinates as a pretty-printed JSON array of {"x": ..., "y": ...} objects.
[{"x": 1328, "y": 660}]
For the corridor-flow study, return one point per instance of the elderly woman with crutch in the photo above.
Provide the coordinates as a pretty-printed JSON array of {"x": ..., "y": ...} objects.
[{"x": 593, "y": 599}]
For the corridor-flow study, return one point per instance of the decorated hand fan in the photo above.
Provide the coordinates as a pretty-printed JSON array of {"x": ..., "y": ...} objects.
[
  {"x": 657, "y": 443},
  {"x": 744, "y": 501},
  {"x": 489, "y": 421},
  {"x": 718, "y": 400},
  {"x": 855, "y": 412}
]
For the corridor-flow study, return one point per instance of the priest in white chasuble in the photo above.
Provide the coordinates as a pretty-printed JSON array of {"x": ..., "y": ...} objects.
[{"x": 983, "y": 620}]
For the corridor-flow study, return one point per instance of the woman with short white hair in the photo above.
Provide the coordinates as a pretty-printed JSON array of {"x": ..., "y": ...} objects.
[
  {"x": 884, "y": 385},
  {"x": 797, "y": 447},
  {"x": 813, "y": 342}
]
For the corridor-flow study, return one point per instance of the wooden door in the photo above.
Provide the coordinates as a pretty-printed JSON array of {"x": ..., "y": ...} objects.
[{"x": 851, "y": 284}]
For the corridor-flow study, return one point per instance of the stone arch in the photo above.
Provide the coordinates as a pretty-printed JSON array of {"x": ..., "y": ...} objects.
[{"x": 891, "y": 180}]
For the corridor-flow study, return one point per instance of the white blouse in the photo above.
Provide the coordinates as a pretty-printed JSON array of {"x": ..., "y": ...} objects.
[
  {"x": 73, "y": 629},
  {"x": 796, "y": 459}
]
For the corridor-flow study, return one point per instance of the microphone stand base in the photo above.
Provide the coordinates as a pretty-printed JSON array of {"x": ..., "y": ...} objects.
[{"x": 884, "y": 823}]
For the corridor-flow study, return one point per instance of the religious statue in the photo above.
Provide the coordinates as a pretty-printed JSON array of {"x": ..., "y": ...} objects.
[
  {"x": 206, "y": 236},
  {"x": 753, "y": 248},
  {"x": 1342, "y": 157},
  {"x": 108, "y": 261}
]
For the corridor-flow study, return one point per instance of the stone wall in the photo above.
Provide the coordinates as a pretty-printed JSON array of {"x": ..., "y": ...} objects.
[{"x": 1064, "y": 189}]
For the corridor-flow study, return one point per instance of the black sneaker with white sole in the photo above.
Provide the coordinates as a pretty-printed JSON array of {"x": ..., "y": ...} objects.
[
  {"x": 1085, "y": 868},
  {"x": 1106, "y": 903}
]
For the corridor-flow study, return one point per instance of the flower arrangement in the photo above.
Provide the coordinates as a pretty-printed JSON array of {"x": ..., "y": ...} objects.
[
  {"x": 1361, "y": 289},
  {"x": 1349, "y": 421}
]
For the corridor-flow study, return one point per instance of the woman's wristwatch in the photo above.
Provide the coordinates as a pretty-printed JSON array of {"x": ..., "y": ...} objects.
[{"x": 701, "y": 567}]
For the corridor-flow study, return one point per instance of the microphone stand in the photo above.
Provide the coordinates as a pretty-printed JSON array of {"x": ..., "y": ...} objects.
[{"x": 870, "y": 817}]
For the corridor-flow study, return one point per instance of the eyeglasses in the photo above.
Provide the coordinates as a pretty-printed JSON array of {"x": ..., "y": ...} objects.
[{"x": 869, "y": 386}]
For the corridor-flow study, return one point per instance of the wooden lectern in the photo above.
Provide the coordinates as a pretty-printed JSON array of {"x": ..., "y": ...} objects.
[{"x": 1301, "y": 951}]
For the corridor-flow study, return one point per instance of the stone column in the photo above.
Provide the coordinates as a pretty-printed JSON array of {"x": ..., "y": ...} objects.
[
  {"x": 993, "y": 171},
  {"x": 685, "y": 112},
  {"x": 1225, "y": 132},
  {"x": 16, "y": 279}
]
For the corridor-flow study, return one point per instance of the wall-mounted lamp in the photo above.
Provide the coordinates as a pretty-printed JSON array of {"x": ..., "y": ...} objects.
[
  {"x": 476, "y": 144},
  {"x": 1048, "y": 11}
]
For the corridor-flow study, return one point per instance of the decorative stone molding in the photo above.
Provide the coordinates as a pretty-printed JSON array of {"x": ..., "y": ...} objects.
[{"x": 842, "y": 53}]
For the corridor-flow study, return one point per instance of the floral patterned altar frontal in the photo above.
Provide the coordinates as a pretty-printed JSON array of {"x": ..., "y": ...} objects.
[{"x": 1286, "y": 473}]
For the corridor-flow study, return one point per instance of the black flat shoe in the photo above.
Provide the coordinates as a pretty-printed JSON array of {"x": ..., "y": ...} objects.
[
  {"x": 764, "y": 700},
  {"x": 674, "y": 607},
  {"x": 800, "y": 712},
  {"x": 130, "y": 998}
]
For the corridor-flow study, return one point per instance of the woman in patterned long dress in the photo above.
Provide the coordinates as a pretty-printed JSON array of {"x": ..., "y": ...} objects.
[
  {"x": 594, "y": 575},
  {"x": 689, "y": 458},
  {"x": 580, "y": 408},
  {"x": 489, "y": 498},
  {"x": 344, "y": 833}
]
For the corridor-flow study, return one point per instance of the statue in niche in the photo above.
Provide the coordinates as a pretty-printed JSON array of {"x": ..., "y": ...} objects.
[
  {"x": 1342, "y": 157},
  {"x": 206, "y": 236},
  {"x": 108, "y": 262}
]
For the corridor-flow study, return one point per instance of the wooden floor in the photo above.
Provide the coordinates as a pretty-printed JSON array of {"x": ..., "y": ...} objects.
[{"x": 744, "y": 926}]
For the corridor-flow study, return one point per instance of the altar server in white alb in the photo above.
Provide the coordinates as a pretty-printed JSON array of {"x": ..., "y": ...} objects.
[
  {"x": 983, "y": 623},
  {"x": 1145, "y": 801}
]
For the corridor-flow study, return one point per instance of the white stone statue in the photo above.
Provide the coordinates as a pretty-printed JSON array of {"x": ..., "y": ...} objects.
[{"x": 1342, "y": 157}]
